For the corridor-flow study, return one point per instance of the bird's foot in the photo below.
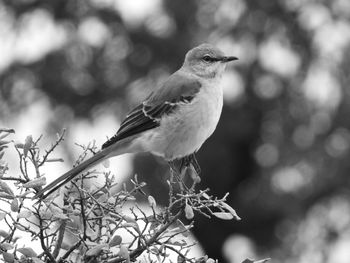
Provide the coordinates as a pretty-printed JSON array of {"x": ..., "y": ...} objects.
[{"x": 181, "y": 167}]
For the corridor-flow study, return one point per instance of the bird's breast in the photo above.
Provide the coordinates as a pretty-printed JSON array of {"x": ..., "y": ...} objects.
[{"x": 184, "y": 131}]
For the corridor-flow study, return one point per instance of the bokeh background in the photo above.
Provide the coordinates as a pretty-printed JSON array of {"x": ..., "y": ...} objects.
[{"x": 281, "y": 148}]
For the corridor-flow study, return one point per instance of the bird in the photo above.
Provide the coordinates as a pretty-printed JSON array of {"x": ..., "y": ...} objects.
[{"x": 173, "y": 121}]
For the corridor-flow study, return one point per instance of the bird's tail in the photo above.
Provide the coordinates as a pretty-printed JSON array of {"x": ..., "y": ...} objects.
[{"x": 113, "y": 150}]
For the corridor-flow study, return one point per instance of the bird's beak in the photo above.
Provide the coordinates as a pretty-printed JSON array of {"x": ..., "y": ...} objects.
[{"x": 228, "y": 59}]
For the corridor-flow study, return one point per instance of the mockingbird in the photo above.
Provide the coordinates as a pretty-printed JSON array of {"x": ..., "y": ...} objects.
[{"x": 173, "y": 121}]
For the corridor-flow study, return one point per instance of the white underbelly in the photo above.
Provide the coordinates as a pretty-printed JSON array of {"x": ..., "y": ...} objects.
[{"x": 184, "y": 131}]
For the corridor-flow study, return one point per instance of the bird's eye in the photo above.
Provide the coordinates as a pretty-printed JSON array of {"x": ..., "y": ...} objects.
[{"x": 208, "y": 58}]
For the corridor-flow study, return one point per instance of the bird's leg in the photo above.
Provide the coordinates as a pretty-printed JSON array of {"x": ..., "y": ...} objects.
[
  {"x": 177, "y": 169},
  {"x": 194, "y": 162}
]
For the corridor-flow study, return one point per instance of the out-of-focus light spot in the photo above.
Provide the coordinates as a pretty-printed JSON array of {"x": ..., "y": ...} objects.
[
  {"x": 233, "y": 86},
  {"x": 314, "y": 15},
  {"x": 293, "y": 178},
  {"x": 320, "y": 122},
  {"x": 339, "y": 251},
  {"x": 78, "y": 55},
  {"x": 237, "y": 248},
  {"x": 332, "y": 39},
  {"x": 141, "y": 55},
  {"x": 79, "y": 80},
  {"x": 338, "y": 143},
  {"x": 93, "y": 31},
  {"x": 161, "y": 25},
  {"x": 322, "y": 88},
  {"x": 267, "y": 155},
  {"x": 30, "y": 38},
  {"x": 229, "y": 12},
  {"x": 38, "y": 34},
  {"x": 278, "y": 58},
  {"x": 303, "y": 137},
  {"x": 205, "y": 13},
  {"x": 116, "y": 49},
  {"x": 341, "y": 8},
  {"x": 271, "y": 128},
  {"x": 116, "y": 75},
  {"x": 135, "y": 12},
  {"x": 267, "y": 87}
]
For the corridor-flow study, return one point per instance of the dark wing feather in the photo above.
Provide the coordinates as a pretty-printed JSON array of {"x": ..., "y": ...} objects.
[{"x": 177, "y": 89}]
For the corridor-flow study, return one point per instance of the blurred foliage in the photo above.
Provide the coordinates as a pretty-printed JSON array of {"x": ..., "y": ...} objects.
[{"x": 282, "y": 145}]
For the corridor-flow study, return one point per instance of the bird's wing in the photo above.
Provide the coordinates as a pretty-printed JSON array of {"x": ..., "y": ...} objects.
[{"x": 176, "y": 90}]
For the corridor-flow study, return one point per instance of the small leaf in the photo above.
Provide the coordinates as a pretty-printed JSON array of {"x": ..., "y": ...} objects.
[
  {"x": 19, "y": 145},
  {"x": 181, "y": 259},
  {"x": 8, "y": 257},
  {"x": 231, "y": 210},
  {"x": 182, "y": 228},
  {"x": 152, "y": 202},
  {"x": 5, "y": 188},
  {"x": 256, "y": 261},
  {"x": 124, "y": 253},
  {"x": 59, "y": 215},
  {"x": 27, "y": 144},
  {"x": 6, "y": 196},
  {"x": 2, "y": 215},
  {"x": 129, "y": 219},
  {"x": 6, "y": 246},
  {"x": 95, "y": 250},
  {"x": 37, "y": 260},
  {"x": 24, "y": 214},
  {"x": 210, "y": 260},
  {"x": 189, "y": 212},
  {"x": 3, "y": 233},
  {"x": 35, "y": 183},
  {"x": 14, "y": 205},
  {"x": 19, "y": 227},
  {"x": 7, "y": 130},
  {"x": 27, "y": 251},
  {"x": 116, "y": 240},
  {"x": 3, "y": 142},
  {"x": 223, "y": 215},
  {"x": 106, "y": 163}
]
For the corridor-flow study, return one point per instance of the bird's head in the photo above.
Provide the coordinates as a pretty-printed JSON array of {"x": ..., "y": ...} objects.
[{"x": 206, "y": 61}]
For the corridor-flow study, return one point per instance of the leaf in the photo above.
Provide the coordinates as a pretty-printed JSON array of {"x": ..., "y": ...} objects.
[
  {"x": 105, "y": 163},
  {"x": 223, "y": 215},
  {"x": 5, "y": 188},
  {"x": 37, "y": 260},
  {"x": 35, "y": 183},
  {"x": 8, "y": 257},
  {"x": 152, "y": 202},
  {"x": 27, "y": 252},
  {"x": 59, "y": 215},
  {"x": 24, "y": 214},
  {"x": 116, "y": 240},
  {"x": 181, "y": 259},
  {"x": 6, "y": 246},
  {"x": 182, "y": 228},
  {"x": 256, "y": 261},
  {"x": 124, "y": 253},
  {"x": 210, "y": 260},
  {"x": 231, "y": 210},
  {"x": 7, "y": 130},
  {"x": 189, "y": 212},
  {"x": 3, "y": 233},
  {"x": 2, "y": 215},
  {"x": 14, "y": 205},
  {"x": 27, "y": 144},
  {"x": 95, "y": 250},
  {"x": 6, "y": 196}
]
